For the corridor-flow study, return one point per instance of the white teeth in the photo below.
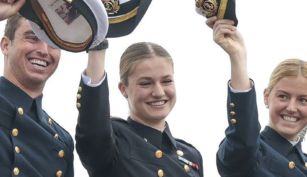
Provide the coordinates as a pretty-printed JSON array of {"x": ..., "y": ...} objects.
[
  {"x": 290, "y": 119},
  {"x": 158, "y": 103},
  {"x": 39, "y": 62}
]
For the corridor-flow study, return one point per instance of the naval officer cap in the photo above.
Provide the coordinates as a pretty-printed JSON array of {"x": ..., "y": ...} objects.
[
  {"x": 124, "y": 15},
  {"x": 72, "y": 25},
  {"x": 223, "y": 9}
]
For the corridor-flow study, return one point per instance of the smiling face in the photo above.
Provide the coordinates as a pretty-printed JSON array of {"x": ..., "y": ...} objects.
[
  {"x": 287, "y": 104},
  {"x": 150, "y": 91},
  {"x": 29, "y": 62}
]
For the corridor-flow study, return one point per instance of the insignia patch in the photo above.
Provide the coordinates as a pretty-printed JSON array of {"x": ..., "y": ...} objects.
[
  {"x": 207, "y": 7},
  {"x": 111, "y": 6}
]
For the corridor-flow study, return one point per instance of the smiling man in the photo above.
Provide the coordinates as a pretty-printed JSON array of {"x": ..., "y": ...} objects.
[{"x": 32, "y": 144}]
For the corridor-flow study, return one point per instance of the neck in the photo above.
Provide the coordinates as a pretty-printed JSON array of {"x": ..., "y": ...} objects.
[
  {"x": 156, "y": 124},
  {"x": 32, "y": 89}
]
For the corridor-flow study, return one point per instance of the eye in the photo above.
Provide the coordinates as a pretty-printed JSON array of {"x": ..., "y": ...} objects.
[
  {"x": 283, "y": 97},
  {"x": 144, "y": 83},
  {"x": 32, "y": 38},
  {"x": 167, "y": 81},
  {"x": 303, "y": 100}
]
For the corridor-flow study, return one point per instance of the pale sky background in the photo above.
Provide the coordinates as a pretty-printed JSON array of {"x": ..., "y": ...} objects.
[{"x": 273, "y": 30}]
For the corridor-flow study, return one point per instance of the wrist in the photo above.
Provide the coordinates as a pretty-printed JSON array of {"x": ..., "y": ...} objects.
[{"x": 102, "y": 46}]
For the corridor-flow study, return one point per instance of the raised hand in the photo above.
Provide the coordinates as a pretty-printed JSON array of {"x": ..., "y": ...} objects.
[{"x": 9, "y": 8}]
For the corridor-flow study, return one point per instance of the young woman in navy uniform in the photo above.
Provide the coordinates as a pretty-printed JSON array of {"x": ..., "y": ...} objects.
[
  {"x": 31, "y": 143},
  {"x": 143, "y": 144},
  {"x": 276, "y": 151}
]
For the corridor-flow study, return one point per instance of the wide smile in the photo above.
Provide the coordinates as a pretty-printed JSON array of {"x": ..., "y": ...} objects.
[
  {"x": 157, "y": 103},
  {"x": 290, "y": 119},
  {"x": 39, "y": 62}
]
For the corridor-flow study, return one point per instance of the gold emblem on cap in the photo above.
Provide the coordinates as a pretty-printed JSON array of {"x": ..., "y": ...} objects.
[
  {"x": 207, "y": 7},
  {"x": 111, "y": 6},
  {"x": 291, "y": 165}
]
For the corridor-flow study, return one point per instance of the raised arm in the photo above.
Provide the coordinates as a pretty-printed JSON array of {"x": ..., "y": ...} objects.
[
  {"x": 95, "y": 141},
  {"x": 228, "y": 38},
  {"x": 241, "y": 143}
]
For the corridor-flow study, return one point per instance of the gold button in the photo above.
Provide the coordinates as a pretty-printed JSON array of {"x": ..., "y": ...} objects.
[
  {"x": 20, "y": 111},
  {"x": 232, "y": 113},
  {"x": 186, "y": 168},
  {"x": 78, "y": 105},
  {"x": 232, "y": 105},
  {"x": 16, "y": 171},
  {"x": 158, "y": 154},
  {"x": 233, "y": 121},
  {"x": 79, "y": 89},
  {"x": 49, "y": 120},
  {"x": 305, "y": 164},
  {"x": 160, "y": 173},
  {"x": 59, "y": 173},
  {"x": 15, "y": 132},
  {"x": 17, "y": 149},
  {"x": 179, "y": 153},
  {"x": 78, "y": 96},
  {"x": 291, "y": 165},
  {"x": 61, "y": 153},
  {"x": 56, "y": 136}
]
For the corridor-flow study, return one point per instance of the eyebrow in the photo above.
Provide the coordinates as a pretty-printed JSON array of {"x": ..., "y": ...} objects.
[
  {"x": 30, "y": 32},
  {"x": 149, "y": 78}
]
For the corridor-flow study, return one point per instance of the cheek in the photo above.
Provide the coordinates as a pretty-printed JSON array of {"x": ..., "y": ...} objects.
[
  {"x": 171, "y": 92},
  {"x": 55, "y": 53},
  {"x": 304, "y": 112}
]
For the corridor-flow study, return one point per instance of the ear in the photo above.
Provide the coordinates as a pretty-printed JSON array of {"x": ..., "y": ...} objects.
[
  {"x": 5, "y": 42},
  {"x": 266, "y": 97},
  {"x": 122, "y": 89}
]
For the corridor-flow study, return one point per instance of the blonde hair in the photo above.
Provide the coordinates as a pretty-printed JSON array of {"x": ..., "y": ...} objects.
[
  {"x": 138, "y": 52},
  {"x": 287, "y": 68}
]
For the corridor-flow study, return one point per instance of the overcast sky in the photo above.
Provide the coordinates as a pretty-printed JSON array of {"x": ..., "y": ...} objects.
[{"x": 273, "y": 30}]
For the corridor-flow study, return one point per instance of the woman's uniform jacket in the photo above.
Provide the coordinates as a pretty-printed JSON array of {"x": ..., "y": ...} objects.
[
  {"x": 113, "y": 147},
  {"x": 245, "y": 152}
]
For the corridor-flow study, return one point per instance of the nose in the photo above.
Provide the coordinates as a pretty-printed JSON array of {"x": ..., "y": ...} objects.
[
  {"x": 158, "y": 90},
  {"x": 42, "y": 49},
  {"x": 292, "y": 106}
]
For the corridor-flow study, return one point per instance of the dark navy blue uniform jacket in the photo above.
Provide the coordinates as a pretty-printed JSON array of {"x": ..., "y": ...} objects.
[
  {"x": 113, "y": 147},
  {"x": 31, "y": 143},
  {"x": 245, "y": 152}
]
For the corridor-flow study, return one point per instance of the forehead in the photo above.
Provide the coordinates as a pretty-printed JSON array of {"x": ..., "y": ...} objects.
[
  {"x": 23, "y": 26},
  {"x": 295, "y": 85},
  {"x": 152, "y": 67}
]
